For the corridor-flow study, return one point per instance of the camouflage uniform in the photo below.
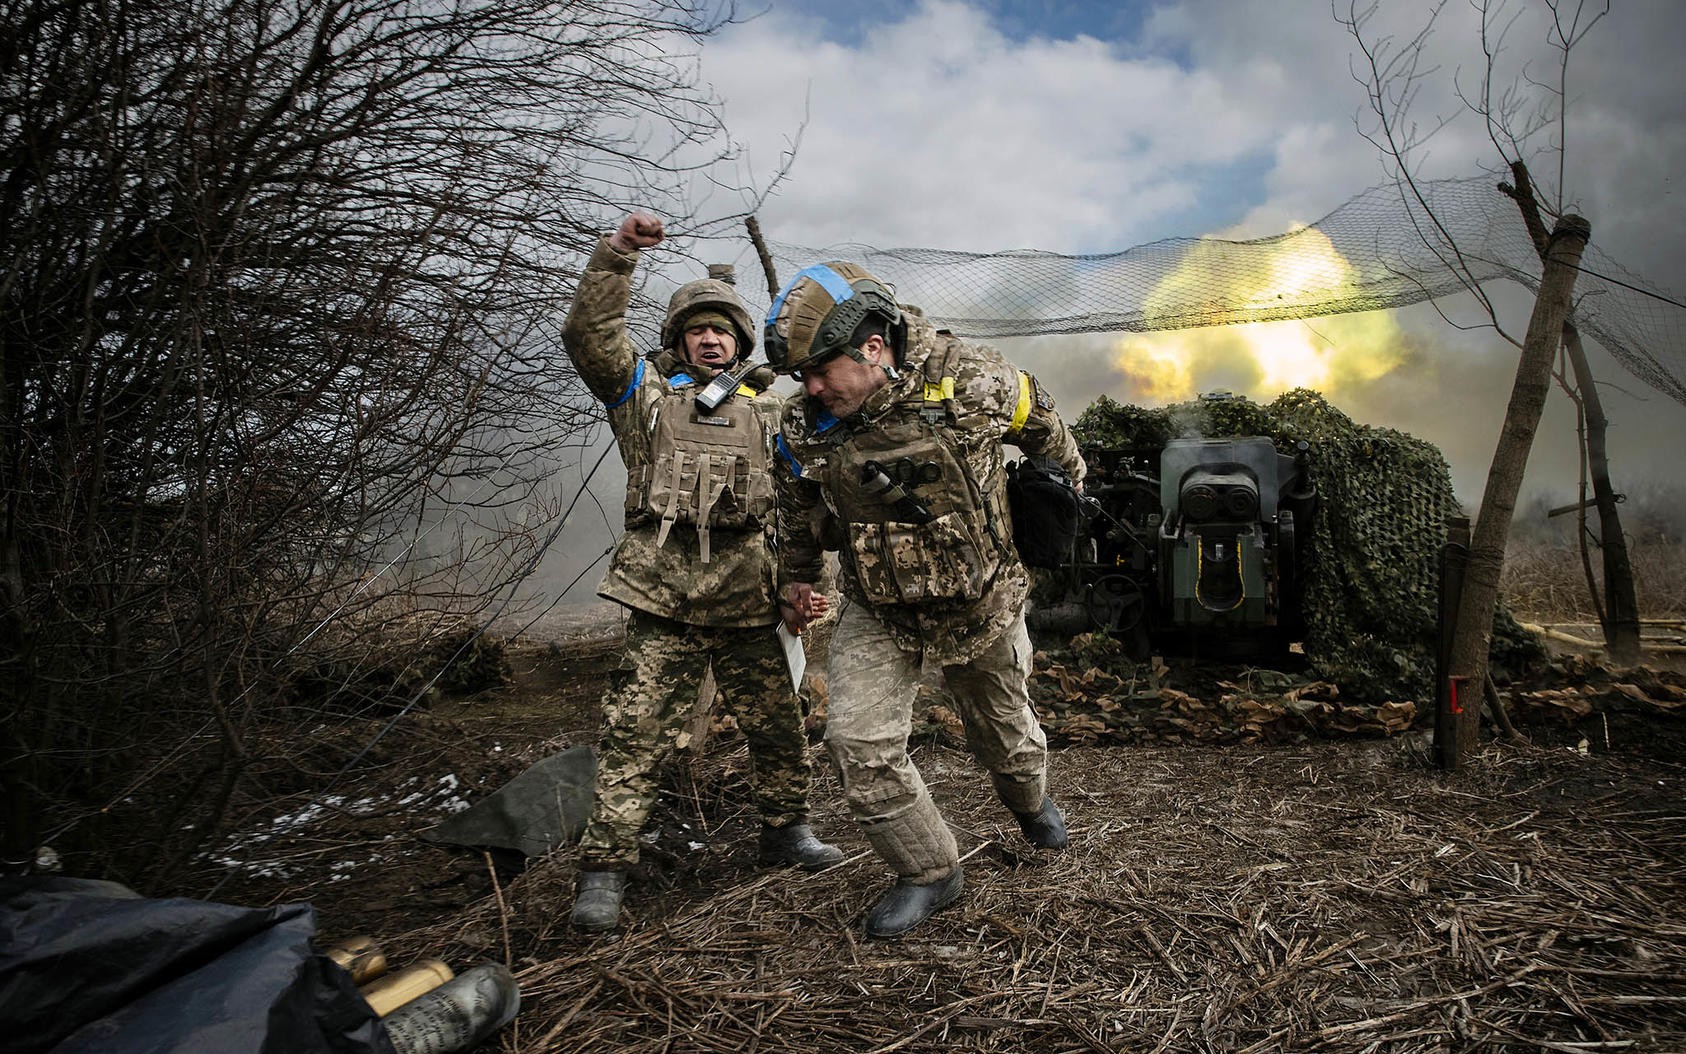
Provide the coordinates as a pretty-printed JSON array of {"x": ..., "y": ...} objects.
[
  {"x": 890, "y": 624},
  {"x": 685, "y": 613}
]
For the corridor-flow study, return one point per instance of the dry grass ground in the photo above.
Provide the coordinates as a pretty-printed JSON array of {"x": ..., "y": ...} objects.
[
  {"x": 1546, "y": 581},
  {"x": 1325, "y": 896},
  {"x": 1306, "y": 895}
]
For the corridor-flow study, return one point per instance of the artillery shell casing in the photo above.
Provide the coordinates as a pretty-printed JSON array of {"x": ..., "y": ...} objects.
[
  {"x": 458, "y": 1015},
  {"x": 394, "y": 990},
  {"x": 361, "y": 957}
]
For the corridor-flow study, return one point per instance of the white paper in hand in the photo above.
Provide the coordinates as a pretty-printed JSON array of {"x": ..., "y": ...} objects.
[{"x": 794, "y": 656}]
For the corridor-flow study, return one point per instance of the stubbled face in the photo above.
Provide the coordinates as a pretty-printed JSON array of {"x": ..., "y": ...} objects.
[
  {"x": 843, "y": 383},
  {"x": 710, "y": 347}
]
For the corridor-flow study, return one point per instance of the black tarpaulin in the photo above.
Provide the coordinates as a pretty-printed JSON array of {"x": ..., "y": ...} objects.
[{"x": 89, "y": 967}]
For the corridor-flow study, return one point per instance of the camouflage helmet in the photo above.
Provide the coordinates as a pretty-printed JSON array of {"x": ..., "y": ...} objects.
[
  {"x": 708, "y": 294},
  {"x": 817, "y": 313}
]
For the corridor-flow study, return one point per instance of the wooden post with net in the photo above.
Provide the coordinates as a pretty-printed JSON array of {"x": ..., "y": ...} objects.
[
  {"x": 1619, "y": 612},
  {"x": 1474, "y": 628},
  {"x": 754, "y": 227}
]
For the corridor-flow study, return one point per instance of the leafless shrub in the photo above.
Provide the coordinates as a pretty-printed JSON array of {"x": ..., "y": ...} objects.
[{"x": 277, "y": 295}]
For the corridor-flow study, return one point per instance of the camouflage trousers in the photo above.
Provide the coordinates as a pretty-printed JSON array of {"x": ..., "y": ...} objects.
[
  {"x": 653, "y": 694},
  {"x": 869, "y": 719}
]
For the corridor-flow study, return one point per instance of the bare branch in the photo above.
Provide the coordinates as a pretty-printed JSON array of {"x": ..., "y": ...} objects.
[{"x": 279, "y": 401}]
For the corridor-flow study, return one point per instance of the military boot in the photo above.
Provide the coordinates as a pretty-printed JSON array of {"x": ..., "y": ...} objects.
[
  {"x": 906, "y": 905},
  {"x": 795, "y": 844},
  {"x": 1044, "y": 828},
  {"x": 597, "y": 900}
]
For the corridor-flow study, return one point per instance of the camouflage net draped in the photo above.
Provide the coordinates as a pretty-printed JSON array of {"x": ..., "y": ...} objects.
[
  {"x": 1372, "y": 567},
  {"x": 1379, "y": 250}
]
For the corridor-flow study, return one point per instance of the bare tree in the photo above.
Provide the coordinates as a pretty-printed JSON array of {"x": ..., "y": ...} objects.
[
  {"x": 1517, "y": 114},
  {"x": 1618, "y": 615},
  {"x": 281, "y": 281}
]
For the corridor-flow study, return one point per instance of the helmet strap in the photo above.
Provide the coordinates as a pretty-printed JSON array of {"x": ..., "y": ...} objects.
[{"x": 887, "y": 362}]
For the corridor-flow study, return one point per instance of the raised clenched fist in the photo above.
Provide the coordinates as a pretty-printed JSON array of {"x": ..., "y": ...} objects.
[{"x": 638, "y": 231}]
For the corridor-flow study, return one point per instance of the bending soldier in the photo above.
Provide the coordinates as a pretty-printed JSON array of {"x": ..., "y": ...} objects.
[
  {"x": 693, "y": 566},
  {"x": 893, "y": 455}
]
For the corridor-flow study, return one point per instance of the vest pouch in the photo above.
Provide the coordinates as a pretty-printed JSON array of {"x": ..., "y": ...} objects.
[
  {"x": 1046, "y": 512},
  {"x": 906, "y": 563},
  {"x": 709, "y": 470}
]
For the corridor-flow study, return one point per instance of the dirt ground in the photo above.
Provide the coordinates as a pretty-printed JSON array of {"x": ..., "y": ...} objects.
[{"x": 1310, "y": 893}]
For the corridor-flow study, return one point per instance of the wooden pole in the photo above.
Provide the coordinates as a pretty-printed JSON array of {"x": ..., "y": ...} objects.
[
  {"x": 767, "y": 269},
  {"x": 1621, "y": 603},
  {"x": 1504, "y": 477},
  {"x": 1448, "y": 701},
  {"x": 1618, "y": 615}
]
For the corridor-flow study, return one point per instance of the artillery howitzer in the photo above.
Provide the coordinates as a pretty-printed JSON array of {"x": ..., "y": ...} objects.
[
  {"x": 1194, "y": 546},
  {"x": 1342, "y": 555}
]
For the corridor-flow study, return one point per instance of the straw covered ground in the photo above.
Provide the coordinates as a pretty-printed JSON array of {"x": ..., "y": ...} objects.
[{"x": 1304, "y": 894}]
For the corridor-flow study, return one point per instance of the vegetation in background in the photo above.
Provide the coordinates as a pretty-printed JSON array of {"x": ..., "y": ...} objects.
[{"x": 279, "y": 292}]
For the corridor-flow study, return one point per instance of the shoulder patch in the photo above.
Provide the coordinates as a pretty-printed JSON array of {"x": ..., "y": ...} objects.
[{"x": 1043, "y": 399}]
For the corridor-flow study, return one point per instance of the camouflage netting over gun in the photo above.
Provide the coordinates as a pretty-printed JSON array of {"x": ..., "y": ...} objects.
[{"x": 1372, "y": 566}]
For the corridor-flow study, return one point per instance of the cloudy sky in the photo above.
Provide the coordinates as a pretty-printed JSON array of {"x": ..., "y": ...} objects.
[{"x": 1086, "y": 127}]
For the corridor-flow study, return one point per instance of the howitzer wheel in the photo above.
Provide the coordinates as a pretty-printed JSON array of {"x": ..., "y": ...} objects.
[{"x": 1115, "y": 603}]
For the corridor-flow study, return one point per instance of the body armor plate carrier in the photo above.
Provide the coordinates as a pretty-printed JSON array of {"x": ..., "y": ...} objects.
[
  {"x": 707, "y": 469},
  {"x": 919, "y": 526}
]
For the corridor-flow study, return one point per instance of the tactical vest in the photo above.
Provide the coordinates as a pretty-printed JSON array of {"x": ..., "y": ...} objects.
[
  {"x": 707, "y": 469},
  {"x": 919, "y": 527}
]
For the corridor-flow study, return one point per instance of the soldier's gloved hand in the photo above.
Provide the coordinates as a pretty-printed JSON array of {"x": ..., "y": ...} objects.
[
  {"x": 638, "y": 231},
  {"x": 801, "y": 605}
]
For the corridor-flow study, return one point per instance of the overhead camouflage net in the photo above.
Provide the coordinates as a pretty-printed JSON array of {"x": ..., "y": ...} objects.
[
  {"x": 1382, "y": 249},
  {"x": 1371, "y": 569}
]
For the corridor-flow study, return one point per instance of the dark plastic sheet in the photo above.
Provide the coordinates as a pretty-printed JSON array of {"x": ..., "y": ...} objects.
[
  {"x": 545, "y": 807},
  {"x": 88, "y": 966}
]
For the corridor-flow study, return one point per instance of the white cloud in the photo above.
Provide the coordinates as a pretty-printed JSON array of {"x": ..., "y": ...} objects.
[
  {"x": 932, "y": 128},
  {"x": 938, "y": 131}
]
